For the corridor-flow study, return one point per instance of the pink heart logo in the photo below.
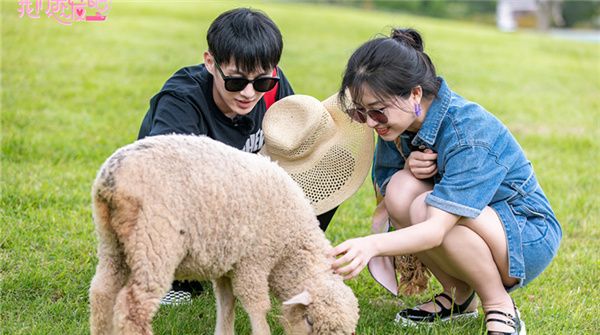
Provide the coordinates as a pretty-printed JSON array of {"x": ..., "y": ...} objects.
[{"x": 80, "y": 12}]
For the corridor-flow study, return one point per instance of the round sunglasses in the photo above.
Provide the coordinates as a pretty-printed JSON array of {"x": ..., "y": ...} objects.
[
  {"x": 360, "y": 115},
  {"x": 236, "y": 84}
]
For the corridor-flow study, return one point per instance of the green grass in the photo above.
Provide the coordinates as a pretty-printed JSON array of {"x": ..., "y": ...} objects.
[{"x": 71, "y": 95}]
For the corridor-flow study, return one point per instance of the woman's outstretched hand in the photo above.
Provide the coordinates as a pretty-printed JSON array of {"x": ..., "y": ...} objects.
[
  {"x": 422, "y": 165},
  {"x": 354, "y": 254}
]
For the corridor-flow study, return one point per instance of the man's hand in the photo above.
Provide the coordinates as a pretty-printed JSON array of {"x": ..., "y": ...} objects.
[{"x": 422, "y": 164}]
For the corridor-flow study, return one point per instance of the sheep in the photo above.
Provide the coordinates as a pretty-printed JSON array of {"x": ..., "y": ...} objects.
[{"x": 189, "y": 207}]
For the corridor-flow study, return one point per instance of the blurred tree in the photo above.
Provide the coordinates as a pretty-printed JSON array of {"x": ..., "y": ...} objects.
[
  {"x": 574, "y": 12},
  {"x": 550, "y": 14},
  {"x": 581, "y": 13}
]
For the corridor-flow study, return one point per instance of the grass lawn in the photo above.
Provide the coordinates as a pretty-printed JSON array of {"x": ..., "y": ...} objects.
[{"x": 71, "y": 95}]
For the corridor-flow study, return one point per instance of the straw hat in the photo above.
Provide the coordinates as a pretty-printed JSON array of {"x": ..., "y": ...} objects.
[{"x": 326, "y": 153}]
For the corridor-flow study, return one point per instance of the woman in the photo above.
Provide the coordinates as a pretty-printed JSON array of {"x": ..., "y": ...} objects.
[{"x": 456, "y": 185}]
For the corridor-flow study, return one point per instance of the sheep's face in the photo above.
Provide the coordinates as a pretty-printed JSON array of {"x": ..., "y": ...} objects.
[
  {"x": 328, "y": 309},
  {"x": 296, "y": 319}
]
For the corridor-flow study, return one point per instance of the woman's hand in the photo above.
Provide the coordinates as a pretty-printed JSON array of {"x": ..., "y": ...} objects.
[
  {"x": 422, "y": 164},
  {"x": 356, "y": 253}
]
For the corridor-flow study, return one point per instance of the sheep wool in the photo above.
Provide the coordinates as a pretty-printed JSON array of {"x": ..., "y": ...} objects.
[{"x": 189, "y": 207}]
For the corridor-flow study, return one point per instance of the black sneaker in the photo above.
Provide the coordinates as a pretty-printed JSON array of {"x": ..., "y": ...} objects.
[{"x": 416, "y": 316}]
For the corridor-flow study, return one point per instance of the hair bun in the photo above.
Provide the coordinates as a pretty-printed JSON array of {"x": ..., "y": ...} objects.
[{"x": 408, "y": 36}]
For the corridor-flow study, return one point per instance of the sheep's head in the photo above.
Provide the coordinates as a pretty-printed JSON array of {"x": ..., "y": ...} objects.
[{"x": 331, "y": 308}]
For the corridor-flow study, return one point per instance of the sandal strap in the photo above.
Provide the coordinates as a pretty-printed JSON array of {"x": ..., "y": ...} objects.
[
  {"x": 509, "y": 323},
  {"x": 512, "y": 321},
  {"x": 461, "y": 308},
  {"x": 444, "y": 310},
  {"x": 500, "y": 313},
  {"x": 444, "y": 295},
  {"x": 454, "y": 307}
]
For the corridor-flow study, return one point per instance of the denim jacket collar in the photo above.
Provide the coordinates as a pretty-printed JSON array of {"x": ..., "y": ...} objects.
[{"x": 431, "y": 125}]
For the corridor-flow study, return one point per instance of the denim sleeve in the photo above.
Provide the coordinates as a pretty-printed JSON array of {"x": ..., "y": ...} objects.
[
  {"x": 386, "y": 161},
  {"x": 470, "y": 178}
]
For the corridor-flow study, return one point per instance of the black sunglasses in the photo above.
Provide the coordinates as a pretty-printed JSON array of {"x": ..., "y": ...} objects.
[
  {"x": 360, "y": 115},
  {"x": 236, "y": 84}
]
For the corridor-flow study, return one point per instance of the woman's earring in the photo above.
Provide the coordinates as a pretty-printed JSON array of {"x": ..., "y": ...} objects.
[{"x": 418, "y": 110}]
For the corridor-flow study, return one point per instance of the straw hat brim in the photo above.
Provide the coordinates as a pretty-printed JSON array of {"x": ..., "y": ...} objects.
[{"x": 336, "y": 166}]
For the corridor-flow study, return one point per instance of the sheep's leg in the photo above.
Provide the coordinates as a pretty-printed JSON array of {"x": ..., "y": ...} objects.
[
  {"x": 138, "y": 301},
  {"x": 110, "y": 277},
  {"x": 225, "y": 306},
  {"x": 152, "y": 255},
  {"x": 252, "y": 289}
]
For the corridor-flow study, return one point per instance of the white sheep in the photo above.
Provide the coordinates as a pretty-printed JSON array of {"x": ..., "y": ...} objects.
[{"x": 193, "y": 208}]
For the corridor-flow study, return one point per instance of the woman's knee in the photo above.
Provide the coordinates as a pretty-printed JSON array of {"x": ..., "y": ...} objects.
[
  {"x": 402, "y": 189},
  {"x": 418, "y": 209}
]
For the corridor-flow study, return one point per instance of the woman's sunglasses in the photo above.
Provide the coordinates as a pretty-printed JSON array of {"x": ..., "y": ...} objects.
[
  {"x": 236, "y": 84},
  {"x": 360, "y": 115}
]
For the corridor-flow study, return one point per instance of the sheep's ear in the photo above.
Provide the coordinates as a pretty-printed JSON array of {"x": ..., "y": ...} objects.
[{"x": 303, "y": 298}]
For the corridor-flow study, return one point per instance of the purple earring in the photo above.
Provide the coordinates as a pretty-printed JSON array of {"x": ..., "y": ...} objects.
[{"x": 418, "y": 110}]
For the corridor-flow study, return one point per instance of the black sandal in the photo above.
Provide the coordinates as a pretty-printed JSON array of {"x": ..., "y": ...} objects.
[
  {"x": 415, "y": 316},
  {"x": 514, "y": 322}
]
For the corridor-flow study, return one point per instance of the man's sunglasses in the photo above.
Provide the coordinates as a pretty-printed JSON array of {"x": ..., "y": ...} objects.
[
  {"x": 236, "y": 84},
  {"x": 360, "y": 115}
]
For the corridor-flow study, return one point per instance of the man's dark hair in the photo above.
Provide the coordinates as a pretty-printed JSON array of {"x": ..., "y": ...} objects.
[{"x": 246, "y": 36}]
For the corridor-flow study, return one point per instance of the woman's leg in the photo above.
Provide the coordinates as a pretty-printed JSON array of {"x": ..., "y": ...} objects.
[
  {"x": 402, "y": 191},
  {"x": 474, "y": 252}
]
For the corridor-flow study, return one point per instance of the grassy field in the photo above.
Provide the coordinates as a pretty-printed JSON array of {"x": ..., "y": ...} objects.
[{"x": 71, "y": 95}]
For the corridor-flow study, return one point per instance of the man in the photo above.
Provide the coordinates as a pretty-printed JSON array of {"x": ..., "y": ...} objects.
[{"x": 226, "y": 97}]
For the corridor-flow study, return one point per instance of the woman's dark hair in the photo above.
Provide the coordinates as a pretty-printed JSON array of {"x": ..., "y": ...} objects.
[
  {"x": 389, "y": 66},
  {"x": 246, "y": 36}
]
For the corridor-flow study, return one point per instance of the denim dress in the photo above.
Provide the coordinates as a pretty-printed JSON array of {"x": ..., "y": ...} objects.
[{"x": 480, "y": 164}]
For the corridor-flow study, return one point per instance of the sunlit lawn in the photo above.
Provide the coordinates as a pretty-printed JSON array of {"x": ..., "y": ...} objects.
[{"x": 71, "y": 95}]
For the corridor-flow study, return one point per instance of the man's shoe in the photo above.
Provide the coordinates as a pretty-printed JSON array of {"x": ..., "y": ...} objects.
[
  {"x": 174, "y": 298},
  {"x": 182, "y": 292}
]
